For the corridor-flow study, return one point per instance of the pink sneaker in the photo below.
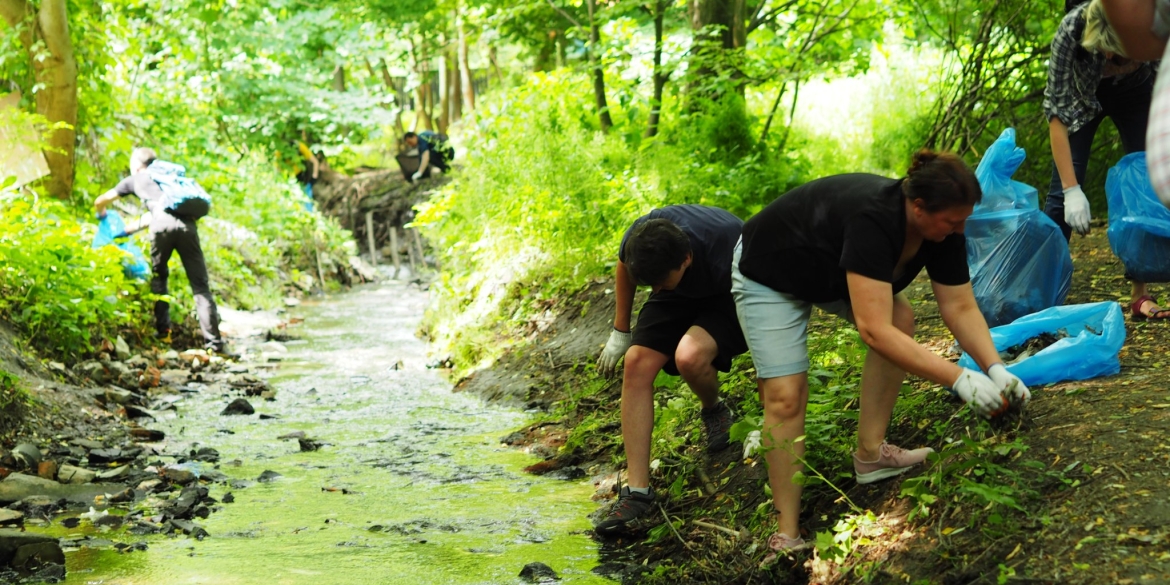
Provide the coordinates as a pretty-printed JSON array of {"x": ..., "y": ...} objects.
[
  {"x": 894, "y": 460},
  {"x": 781, "y": 544}
]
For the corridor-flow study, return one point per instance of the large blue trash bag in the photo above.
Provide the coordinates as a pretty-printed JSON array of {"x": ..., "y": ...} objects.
[
  {"x": 110, "y": 228},
  {"x": 1096, "y": 332},
  {"x": 1018, "y": 258},
  {"x": 1139, "y": 225}
]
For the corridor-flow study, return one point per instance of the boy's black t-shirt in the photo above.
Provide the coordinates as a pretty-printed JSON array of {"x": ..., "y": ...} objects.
[
  {"x": 713, "y": 233},
  {"x": 805, "y": 241}
]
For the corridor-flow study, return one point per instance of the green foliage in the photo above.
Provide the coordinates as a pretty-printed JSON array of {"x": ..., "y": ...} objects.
[
  {"x": 59, "y": 292},
  {"x": 12, "y": 392}
]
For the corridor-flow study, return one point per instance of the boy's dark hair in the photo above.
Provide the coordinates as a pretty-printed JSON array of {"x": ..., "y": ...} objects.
[
  {"x": 409, "y": 135},
  {"x": 655, "y": 248}
]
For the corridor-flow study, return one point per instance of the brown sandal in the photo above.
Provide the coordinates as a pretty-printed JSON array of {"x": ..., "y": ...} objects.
[{"x": 1138, "y": 315}]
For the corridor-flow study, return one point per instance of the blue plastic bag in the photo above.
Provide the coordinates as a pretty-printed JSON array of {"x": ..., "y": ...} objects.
[
  {"x": 1018, "y": 258},
  {"x": 1139, "y": 225},
  {"x": 110, "y": 228},
  {"x": 1096, "y": 333}
]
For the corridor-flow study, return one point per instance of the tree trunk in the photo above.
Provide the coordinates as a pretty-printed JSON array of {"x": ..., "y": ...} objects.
[
  {"x": 718, "y": 26},
  {"x": 444, "y": 92},
  {"x": 464, "y": 65},
  {"x": 454, "y": 87},
  {"x": 422, "y": 114},
  {"x": 339, "y": 79},
  {"x": 55, "y": 69},
  {"x": 660, "y": 77},
  {"x": 598, "y": 71}
]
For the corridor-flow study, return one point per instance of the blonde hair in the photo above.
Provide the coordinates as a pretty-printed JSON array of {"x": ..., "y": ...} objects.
[{"x": 1099, "y": 36}]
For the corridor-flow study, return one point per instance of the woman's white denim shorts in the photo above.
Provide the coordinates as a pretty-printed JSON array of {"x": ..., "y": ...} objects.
[{"x": 775, "y": 324}]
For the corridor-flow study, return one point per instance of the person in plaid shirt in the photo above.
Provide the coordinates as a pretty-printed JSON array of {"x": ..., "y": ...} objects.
[
  {"x": 1089, "y": 78},
  {"x": 1143, "y": 27}
]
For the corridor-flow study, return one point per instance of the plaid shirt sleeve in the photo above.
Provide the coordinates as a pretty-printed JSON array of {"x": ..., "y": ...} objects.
[
  {"x": 1062, "y": 99},
  {"x": 1158, "y": 136}
]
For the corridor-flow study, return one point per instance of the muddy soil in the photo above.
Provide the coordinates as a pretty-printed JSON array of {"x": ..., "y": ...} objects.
[{"x": 1111, "y": 527}]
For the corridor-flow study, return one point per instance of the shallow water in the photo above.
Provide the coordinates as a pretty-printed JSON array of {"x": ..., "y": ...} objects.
[{"x": 424, "y": 492}]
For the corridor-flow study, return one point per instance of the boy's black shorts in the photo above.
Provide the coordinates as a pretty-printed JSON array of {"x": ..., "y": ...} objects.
[{"x": 666, "y": 317}]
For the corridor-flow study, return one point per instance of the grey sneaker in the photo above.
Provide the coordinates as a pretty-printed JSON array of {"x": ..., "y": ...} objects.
[
  {"x": 781, "y": 544},
  {"x": 717, "y": 422},
  {"x": 893, "y": 461},
  {"x": 630, "y": 506}
]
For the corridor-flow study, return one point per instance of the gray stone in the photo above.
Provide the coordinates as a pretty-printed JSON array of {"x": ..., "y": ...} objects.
[
  {"x": 19, "y": 486},
  {"x": 74, "y": 475},
  {"x": 121, "y": 349},
  {"x": 12, "y": 540},
  {"x": 88, "y": 444},
  {"x": 32, "y": 557},
  {"x": 94, "y": 370},
  {"x": 138, "y": 362},
  {"x": 115, "y": 473},
  {"x": 10, "y": 517},
  {"x": 115, "y": 395},
  {"x": 28, "y": 454}
]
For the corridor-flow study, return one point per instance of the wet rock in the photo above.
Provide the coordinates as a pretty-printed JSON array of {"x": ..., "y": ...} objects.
[
  {"x": 126, "y": 495},
  {"x": 71, "y": 522},
  {"x": 228, "y": 498},
  {"x": 151, "y": 435},
  {"x": 189, "y": 528},
  {"x": 11, "y": 517},
  {"x": 179, "y": 475},
  {"x": 29, "y": 553},
  {"x": 142, "y": 527},
  {"x": 75, "y": 475},
  {"x": 538, "y": 573},
  {"x": 150, "y": 485},
  {"x": 238, "y": 406},
  {"x": 115, "y": 395},
  {"x": 268, "y": 476},
  {"x": 136, "y": 412},
  {"x": 269, "y": 416},
  {"x": 105, "y": 456},
  {"x": 115, "y": 473},
  {"x": 516, "y": 438},
  {"x": 292, "y": 435},
  {"x": 570, "y": 473},
  {"x": 108, "y": 521},
  {"x": 131, "y": 547},
  {"x": 308, "y": 444}
]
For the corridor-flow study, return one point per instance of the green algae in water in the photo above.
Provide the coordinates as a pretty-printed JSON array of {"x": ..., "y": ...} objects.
[{"x": 423, "y": 491}]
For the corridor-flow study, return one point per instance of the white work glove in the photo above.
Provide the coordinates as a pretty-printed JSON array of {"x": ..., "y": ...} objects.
[
  {"x": 615, "y": 348},
  {"x": 1010, "y": 384},
  {"x": 1076, "y": 209},
  {"x": 417, "y": 175},
  {"x": 980, "y": 392}
]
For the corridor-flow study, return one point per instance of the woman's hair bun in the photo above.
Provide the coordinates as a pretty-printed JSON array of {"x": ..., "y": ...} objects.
[{"x": 920, "y": 159}]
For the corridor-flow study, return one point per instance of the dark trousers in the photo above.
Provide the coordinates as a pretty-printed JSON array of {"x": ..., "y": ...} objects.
[
  {"x": 1124, "y": 100},
  {"x": 183, "y": 237}
]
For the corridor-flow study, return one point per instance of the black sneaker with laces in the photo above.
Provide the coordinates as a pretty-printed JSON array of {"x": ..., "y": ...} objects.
[
  {"x": 717, "y": 422},
  {"x": 629, "y": 506}
]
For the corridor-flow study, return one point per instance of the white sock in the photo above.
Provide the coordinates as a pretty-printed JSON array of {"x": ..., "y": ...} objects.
[{"x": 644, "y": 491}]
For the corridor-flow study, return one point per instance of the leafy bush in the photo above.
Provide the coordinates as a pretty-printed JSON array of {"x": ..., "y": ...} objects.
[{"x": 59, "y": 292}]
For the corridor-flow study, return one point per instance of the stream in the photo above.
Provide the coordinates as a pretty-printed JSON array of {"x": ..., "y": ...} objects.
[{"x": 411, "y": 484}]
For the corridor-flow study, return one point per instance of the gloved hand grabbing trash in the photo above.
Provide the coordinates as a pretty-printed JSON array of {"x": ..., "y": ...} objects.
[
  {"x": 417, "y": 175},
  {"x": 984, "y": 395},
  {"x": 1010, "y": 384},
  {"x": 615, "y": 348},
  {"x": 1076, "y": 209}
]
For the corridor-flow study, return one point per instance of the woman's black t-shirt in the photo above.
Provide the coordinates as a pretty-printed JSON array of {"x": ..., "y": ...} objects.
[{"x": 805, "y": 241}]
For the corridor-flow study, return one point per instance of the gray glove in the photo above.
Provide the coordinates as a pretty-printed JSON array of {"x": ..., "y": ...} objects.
[
  {"x": 417, "y": 175},
  {"x": 1010, "y": 384},
  {"x": 615, "y": 348},
  {"x": 980, "y": 392},
  {"x": 1076, "y": 209}
]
